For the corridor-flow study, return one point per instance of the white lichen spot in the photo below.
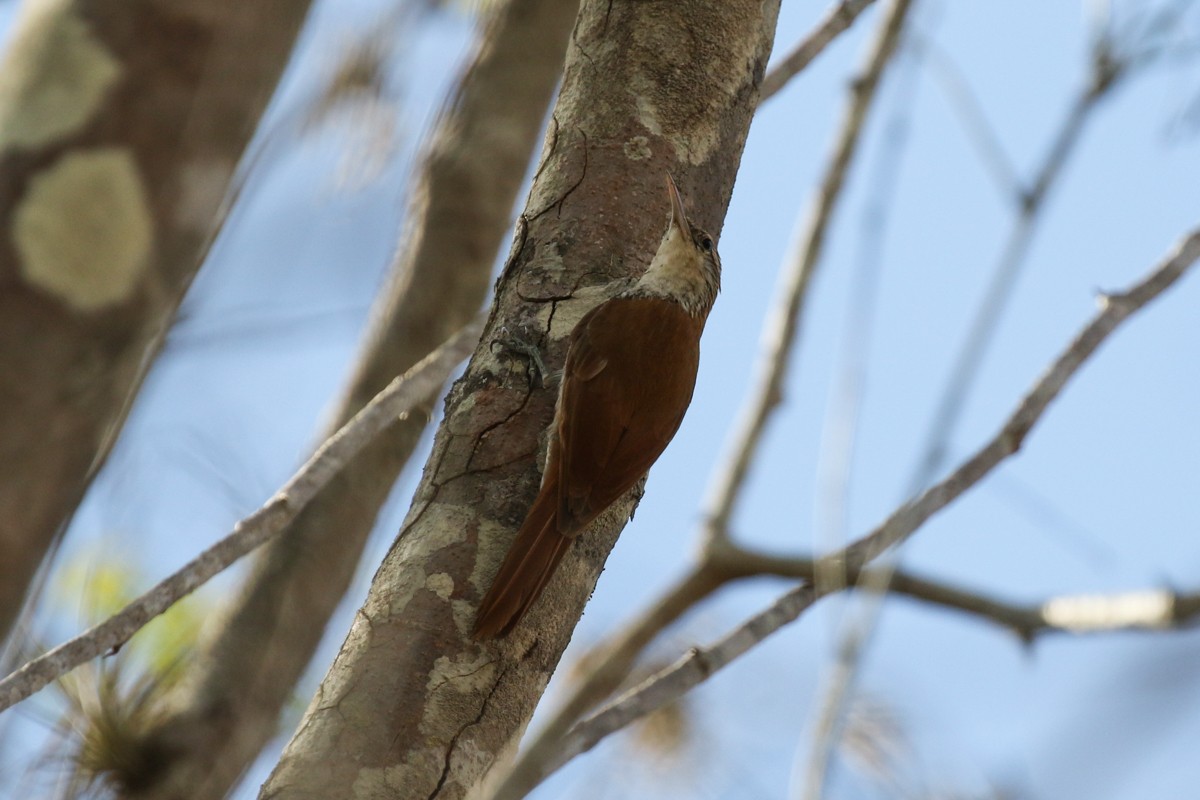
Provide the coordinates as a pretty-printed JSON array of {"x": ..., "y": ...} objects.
[
  {"x": 648, "y": 114},
  {"x": 83, "y": 231},
  {"x": 637, "y": 148},
  {"x": 441, "y": 584},
  {"x": 54, "y": 77}
]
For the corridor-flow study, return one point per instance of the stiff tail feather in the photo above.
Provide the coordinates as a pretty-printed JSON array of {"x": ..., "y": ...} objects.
[{"x": 531, "y": 560}]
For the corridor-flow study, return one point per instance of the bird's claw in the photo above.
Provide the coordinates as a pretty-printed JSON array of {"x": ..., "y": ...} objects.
[{"x": 539, "y": 375}]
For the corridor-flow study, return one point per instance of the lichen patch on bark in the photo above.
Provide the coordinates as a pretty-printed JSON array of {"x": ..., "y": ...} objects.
[
  {"x": 490, "y": 540},
  {"x": 567, "y": 313},
  {"x": 83, "y": 231},
  {"x": 685, "y": 80},
  {"x": 441, "y": 584},
  {"x": 54, "y": 77}
]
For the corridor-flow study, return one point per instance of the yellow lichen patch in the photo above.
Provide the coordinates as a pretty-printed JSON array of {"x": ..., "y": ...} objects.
[
  {"x": 54, "y": 76},
  {"x": 83, "y": 230}
]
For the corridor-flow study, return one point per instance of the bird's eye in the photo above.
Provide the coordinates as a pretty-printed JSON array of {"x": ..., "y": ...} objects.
[{"x": 706, "y": 244}]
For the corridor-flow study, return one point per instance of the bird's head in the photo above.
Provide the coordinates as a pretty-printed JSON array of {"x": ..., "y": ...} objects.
[{"x": 686, "y": 266}]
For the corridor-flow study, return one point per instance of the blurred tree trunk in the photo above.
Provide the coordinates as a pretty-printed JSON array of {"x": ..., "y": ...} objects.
[
  {"x": 463, "y": 205},
  {"x": 121, "y": 124},
  {"x": 412, "y": 707}
]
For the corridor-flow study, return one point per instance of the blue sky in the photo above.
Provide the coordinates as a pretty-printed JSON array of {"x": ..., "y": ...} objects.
[{"x": 1100, "y": 500}]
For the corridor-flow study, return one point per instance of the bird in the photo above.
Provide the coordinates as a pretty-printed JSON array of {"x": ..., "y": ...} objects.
[{"x": 627, "y": 382}]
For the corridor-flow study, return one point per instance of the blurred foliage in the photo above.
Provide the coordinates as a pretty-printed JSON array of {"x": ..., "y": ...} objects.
[
  {"x": 100, "y": 581},
  {"x": 110, "y": 706}
]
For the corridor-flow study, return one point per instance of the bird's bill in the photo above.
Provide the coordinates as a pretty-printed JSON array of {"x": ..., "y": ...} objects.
[{"x": 678, "y": 215}]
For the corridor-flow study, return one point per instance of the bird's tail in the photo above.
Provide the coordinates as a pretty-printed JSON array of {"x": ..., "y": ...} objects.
[{"x": 526, "y": 570}]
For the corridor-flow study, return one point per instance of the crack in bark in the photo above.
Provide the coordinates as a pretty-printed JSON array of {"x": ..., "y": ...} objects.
[
  {"x": 557, "y": 204},
  {"x": 484, "y": 470},
  {"x": 470, "y": 470},
  {"x": 454, "y": 741}
]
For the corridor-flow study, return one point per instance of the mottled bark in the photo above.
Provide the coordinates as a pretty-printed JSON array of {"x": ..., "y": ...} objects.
[
  {"x": 121, "y": 123},
  {"x": 412, "y": 707},
  {"x": 464, "y": 202}
]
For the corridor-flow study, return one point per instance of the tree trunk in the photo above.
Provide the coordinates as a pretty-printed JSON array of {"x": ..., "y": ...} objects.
[
  {"x": 477, "y": 159},
  {"x": 412, "y": 707},
  {"x": 121, "y": 124}
]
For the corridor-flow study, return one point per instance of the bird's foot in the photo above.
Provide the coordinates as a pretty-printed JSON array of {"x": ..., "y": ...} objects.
[{"x": 522, "y": 347}]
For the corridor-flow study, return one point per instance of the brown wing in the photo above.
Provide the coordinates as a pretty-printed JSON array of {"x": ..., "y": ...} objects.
[{"x": 631, "y": 368}]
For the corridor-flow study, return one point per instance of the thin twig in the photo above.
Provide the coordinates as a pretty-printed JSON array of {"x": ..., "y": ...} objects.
[
  {"x": 836, "y": 21},
  {"x": 403, "y": 394},
  {"x": 839, "y": 433},
  {"x": 670, "y": 684},
  {"x": 1149, "y": 609},
  {"x": 780, "y": 331},
  {"x": 1155, "y": 610},
  {"x": 1029, "y": 201},
  {"x": 835, "y": 463},
  {"x": 602, "y": 674},
  {"x": 979, "y": 131},
  {"x": 1115, "y": 309}
]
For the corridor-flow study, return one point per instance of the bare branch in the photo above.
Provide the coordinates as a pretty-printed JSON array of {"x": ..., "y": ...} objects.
[
  {"x": 1151, "y": 609},
  {"x": 1029, "y": 200},
  {"x": 1115, "y": 309},
  {"x": 781, "y": 330},
  {"x": 979, "y": 130},
  {"x": 401, "y": 395},
  {"x": 693, "y": 669},
  {"x": 1107, "y": 69},
  {"x": 1073, "y": 614},
  {"x": 837, "y": 20}
]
